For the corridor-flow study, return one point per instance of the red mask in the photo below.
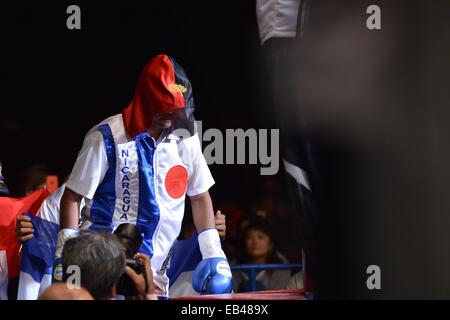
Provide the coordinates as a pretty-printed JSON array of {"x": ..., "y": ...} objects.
[{"x": 157, "y": 91}]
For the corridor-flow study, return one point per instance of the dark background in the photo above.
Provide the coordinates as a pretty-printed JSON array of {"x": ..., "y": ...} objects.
[
  {"x": 58, "y": 83},
  {"x": 379, "y": 103}
]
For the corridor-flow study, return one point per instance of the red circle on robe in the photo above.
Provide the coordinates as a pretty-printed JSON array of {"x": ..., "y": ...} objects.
[{"x": 176, "y": 181}]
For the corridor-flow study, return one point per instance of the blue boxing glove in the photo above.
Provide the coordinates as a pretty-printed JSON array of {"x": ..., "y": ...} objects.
[
  {"x": 63, "y": 236},
  {"x": 212, "y": 275}
]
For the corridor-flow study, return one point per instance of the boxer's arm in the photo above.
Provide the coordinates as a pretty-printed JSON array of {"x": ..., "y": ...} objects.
[
  {"x": 212, "y": 275},
  {"x": 69, "y": 216},
  {"x": 202, "y": 211},
  {"x": 70, "y": 209}
]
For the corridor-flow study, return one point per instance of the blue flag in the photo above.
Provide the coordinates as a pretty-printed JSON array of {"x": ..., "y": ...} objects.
[
  {"x": 37, "y": 259},
  {"x": 185, "y": 257}
]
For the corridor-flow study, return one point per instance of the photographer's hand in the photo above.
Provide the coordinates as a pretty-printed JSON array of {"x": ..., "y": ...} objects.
[{"x": 144, "y": 284}]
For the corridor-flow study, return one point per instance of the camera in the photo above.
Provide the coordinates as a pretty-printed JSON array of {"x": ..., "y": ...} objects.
[
  {"x": 131, "y": 240},
  {"x": 4, "y": 192}
]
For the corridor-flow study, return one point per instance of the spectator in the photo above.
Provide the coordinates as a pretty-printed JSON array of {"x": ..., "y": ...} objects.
[
  {"x": 101, "y": 260},
  {"x": 296, "y": 281},
  {"x": 33, "y": 178},
  {"x": 60, "y": 291},
  {"x": 259, "y": 248},
  {"x": 4, "y": 191}
]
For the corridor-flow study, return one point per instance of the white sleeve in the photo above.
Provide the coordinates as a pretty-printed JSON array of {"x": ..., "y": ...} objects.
[
  {"x": 200, "y": 178},
  {"x": 49, "y": 209},
  {"x": 90, "y": 167}
]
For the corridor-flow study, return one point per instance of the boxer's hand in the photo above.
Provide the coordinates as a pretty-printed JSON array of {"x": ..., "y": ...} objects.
[
  {"x": 212, "y": 275},
  {"x": 221, "y": 226},
  {"x": 24, "y": 228},
  {"x": 144, "y": 285}
]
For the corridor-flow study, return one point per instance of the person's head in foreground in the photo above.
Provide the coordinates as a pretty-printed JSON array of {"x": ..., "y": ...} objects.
[
  {"x": 60, "y": 291},
  {"x": 100, "y": 259}
]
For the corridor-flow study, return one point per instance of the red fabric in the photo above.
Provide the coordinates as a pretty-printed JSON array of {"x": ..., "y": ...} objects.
[
  {"x": 152, "y": 95},
  {"x": 10, "y": 208}
]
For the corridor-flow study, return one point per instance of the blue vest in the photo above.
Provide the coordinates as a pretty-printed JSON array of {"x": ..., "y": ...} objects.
[{"x": 127, "y": 192}]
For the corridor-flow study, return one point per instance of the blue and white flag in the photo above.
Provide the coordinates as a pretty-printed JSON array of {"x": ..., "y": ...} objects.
[
  {"x": 37, "y": 259},
  {"x": 185, "y": 257}
]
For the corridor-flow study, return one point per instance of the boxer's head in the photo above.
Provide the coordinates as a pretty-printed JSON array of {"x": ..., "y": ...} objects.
[
  {"x": 163, "y": 93},
  {"x": 164, "y": 120}
]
